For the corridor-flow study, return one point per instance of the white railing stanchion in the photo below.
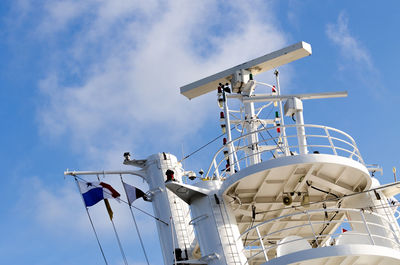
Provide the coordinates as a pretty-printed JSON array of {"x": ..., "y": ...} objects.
[
  {"x": 262, "y": 244},
  {"x": 330, "y": 140},
  {"x": 312, "y": 235},
  {"x": 347, "y": 147},
  {"x": 367, "y": 228},
  {"x": 216, "y": 168},
  {"x": 312, "y": 228}
]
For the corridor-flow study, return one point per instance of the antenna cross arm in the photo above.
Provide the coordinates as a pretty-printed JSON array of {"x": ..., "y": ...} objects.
[
  {"x": 76, "y": 173},
  {"x": 263, "y": 98}
]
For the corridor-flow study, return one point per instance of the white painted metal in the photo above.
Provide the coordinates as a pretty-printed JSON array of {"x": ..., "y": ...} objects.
[
  {"x": 384, "y": 229},
  {"x": 364, "y": 254},
  {"x": 251, "y": 126},
  {"x": 282, "y": 120},
  {"x": 255, "y": 66},
  {"x": 242, "y": 218},
  {"x": 301, "y": 132},
  {"x": 294, "y": 107},
  {"x": 291, "y": 244},
  {"x": 169, "y": 208},
  {"x": 167, "y": 205},
  {"x": 294, "y": 243},
  {"x": 321, "y": 187},
  {"x": 263, "y": 98},
  {"x": 216, "y": 232},
  {"x": 262, "y": 244},
  {"x": 229, "y": 136},
  {"x": 350, "y": 149}
]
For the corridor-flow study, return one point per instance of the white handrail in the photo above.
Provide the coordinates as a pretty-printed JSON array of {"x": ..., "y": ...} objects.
[
  {"x": 313, "y": 236},
  {"x": 348, "y": 145}
]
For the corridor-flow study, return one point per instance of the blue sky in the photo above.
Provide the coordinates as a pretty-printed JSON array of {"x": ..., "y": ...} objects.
[{"x": 81, "y": 82}]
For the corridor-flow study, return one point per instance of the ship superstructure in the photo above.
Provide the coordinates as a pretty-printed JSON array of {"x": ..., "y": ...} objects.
[{"x": 278, "y": 191}]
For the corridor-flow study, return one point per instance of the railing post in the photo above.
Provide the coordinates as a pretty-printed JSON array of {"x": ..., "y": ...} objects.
[
  {"x": 330, "y": 140},
  {"x": 394, "y": 233},
  {"x": 301, "y": 130},
  {"x": 262, "y": 244},
  {"x": 237, "y": 160},
  {"x": 355, "y": 150},
  {"x": 366, "y": 227},
  {"x": 216, "y": 168},
  {"x": 312, "y": 228}
]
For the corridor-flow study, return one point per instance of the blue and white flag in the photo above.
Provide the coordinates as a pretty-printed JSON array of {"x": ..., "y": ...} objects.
[{"x": 93, "y": 192}]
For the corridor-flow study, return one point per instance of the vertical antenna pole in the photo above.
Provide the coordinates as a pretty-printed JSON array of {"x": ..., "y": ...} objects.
[
  {"x": 301, "y": 132},
  {"x": 278, "y": 87},
  {"x": 229, "y": 135},
  {"x": 134, "y": 220},
  {"x": 91, "y": 222},
  {"x": 251, "y": 126}
]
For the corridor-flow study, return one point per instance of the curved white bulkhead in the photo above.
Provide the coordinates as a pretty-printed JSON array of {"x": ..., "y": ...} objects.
[
  {"x": 169, "y": 207},
  {"x": 215, "y": 227},
  {"x": 291, "y": 244}
]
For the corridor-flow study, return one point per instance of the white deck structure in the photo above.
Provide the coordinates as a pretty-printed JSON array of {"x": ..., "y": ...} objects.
[{"x": 275, "y": 193}]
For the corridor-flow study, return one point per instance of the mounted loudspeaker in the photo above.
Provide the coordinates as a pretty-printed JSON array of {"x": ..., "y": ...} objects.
[{"x": 287, "y": 200}]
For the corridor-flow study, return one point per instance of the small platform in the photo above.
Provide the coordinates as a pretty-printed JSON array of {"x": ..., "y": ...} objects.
[{"x": 264, "y": 186}]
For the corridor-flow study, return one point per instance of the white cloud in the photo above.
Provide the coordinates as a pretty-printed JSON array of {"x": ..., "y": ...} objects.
[
  {"x": 130, "y": 91},
  {"x": 117, "y": 88},
  {"x": 112, "y": 85},
  {"x": 355, "y": 58},
  {"x": 350, "y": 47},
  {"x": 60, "y": 13},
  {"x": 52, "y": 207}
]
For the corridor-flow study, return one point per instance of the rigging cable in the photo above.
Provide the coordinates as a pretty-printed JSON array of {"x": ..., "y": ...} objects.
[
  {"x": 136, "y": 226},
  {"x": 330, "y": 220},
  {"x": 198, "y": 149},
  {"x": 241, "y": 134},
  {"x": 318, "y": 189},
  {"x": 216, "y": 138},
  {"x": 108, "y": 207},
  {"x": 91, "y": 222},
  {"x": 253, "y": 218}
]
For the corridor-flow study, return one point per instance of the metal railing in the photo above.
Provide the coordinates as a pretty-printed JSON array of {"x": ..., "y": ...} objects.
[
  {"x": 372, "y": 233},
  {"x": 320, "y": 139}
]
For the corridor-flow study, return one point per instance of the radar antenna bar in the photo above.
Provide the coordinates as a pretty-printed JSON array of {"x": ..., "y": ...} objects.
[{"x": 255, "y": 66}]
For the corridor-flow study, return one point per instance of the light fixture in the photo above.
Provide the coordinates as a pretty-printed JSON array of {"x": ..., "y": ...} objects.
[
  {"x": 287, "y": 199},
  {"x": 223, "y": 127}
]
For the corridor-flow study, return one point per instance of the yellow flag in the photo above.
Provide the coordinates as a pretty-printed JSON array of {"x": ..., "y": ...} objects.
[{"x": 109, "y": 210}]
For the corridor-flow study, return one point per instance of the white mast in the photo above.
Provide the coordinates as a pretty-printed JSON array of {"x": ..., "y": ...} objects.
[{"x": 274, "y": 203}]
